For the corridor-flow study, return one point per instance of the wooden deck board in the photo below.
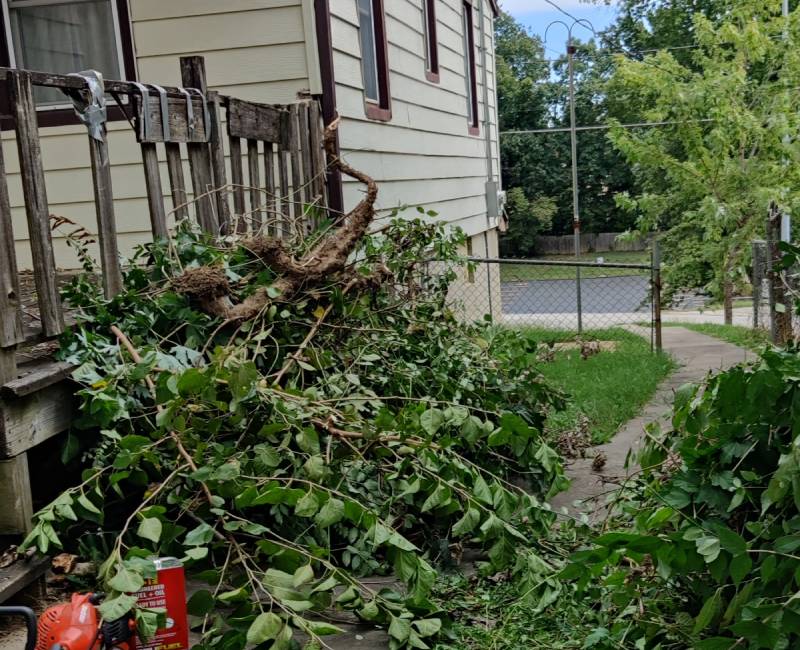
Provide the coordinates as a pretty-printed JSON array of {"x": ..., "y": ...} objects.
[{"x": 19, "y": 575}]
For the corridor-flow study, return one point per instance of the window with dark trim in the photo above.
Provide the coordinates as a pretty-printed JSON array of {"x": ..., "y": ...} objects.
[
  {"x": 66, "y": 36},
  {"x": 374, "y": 59},
  {"x": 431, "y": 42},
  {"x": 470, "y": 74}
]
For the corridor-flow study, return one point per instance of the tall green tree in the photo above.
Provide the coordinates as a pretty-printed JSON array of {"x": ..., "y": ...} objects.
[{"x": 730, "y": 148}]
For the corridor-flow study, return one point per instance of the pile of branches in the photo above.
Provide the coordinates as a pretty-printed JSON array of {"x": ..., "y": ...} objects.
[{"x": 288, "y": 417}]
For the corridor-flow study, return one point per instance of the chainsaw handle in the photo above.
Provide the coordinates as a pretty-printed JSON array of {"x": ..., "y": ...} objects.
[{"x": 30, "y": 621}]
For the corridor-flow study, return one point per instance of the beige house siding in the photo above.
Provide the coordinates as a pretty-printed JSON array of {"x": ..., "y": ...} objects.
[
  {"x": 424, "y": 154},
  {"x": 254, "y": 49}
]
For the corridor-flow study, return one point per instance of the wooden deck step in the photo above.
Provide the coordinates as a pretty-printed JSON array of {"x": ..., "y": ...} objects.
[{"x": 21, "y": 574}]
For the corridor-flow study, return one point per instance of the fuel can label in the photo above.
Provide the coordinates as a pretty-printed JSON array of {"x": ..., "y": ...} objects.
[{"x": 166, "y": 591}]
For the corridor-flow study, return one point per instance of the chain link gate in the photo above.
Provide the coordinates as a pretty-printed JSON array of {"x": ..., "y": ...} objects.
[{"x": 571, "y": 297}]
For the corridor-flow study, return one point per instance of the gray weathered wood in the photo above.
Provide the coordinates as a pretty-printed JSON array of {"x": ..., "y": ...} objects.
[
  {"x": 180, "y": 198},
  {"x": 35, "y": 195},
  {"x": 317, "y": 154},
  {"x": 251, "y": 121},
  {"x": 305, "y": 151},
  {"x": 254, "y": 177},
  {"x": 178, "y": 120},
  {"x": 283, "y": 179},
  {"x": 297, "y": 170},
  {"x": 28, "y": 421},
  {"x": 218, "y": 164},
  {"x": 18, "y": 576},
  {"x": 237, "y": 180},
  {"x": 193, "y": 75},
  {"x": 155, "y": 193},
  {"x": 269, "y": 186},
  {"x": 15, "y": 495},
  {"x": 10, "y": 313},
  {"x": 38, "y": 378},
  {"x": 106, "y": 220}
]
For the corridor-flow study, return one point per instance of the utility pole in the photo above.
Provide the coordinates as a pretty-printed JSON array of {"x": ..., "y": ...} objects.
[
  {"x": 576, "y": 218},
  {"x": 786, "y": 220}
]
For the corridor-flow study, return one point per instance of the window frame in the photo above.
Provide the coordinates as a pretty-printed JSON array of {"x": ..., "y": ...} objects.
[
  {"x": 64, "y": 115},
  {"x": 470, "y": 70},
  {"x": 380, "y": 110},
  {"x": 431, "y": 41}
]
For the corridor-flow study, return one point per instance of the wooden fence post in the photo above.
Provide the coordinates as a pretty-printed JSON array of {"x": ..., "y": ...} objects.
[
  {"x": 37, "y": 211},
  {"x": 193, "y": 75},
  {"x": 155, "y": 193},
  {"x": 218, "y": 164},
  {"x": 106, "y": 220}
]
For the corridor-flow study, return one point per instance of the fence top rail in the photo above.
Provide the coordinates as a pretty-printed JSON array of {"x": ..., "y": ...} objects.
[
  {"x": 64, "y": 81},
  {"x": 533, "y": 262}
]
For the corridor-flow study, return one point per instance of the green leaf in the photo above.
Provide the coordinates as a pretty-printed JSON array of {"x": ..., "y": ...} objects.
[
  {"x": 332, "y": 512},
  {"x": 303, "y": 575},
  {"x": 399, "y": 628},
  {"x": 710, "y": 610},
  {"x": 191, "y": 382},
  {"x": 201, "y": 603},
  {"x": 321, "y": 628},
  {"x": 708, "y": 547},
  {"x": 739, "y": 567},
  {"x": 118, "y": 607},
  {"x": 199, "y": 536},
  {"x": 428, "y": 626},
  {"x": 150, "y": 528},
  {"x": 197, "y": 553},
  {"x": 431, "y": 421},
  {"x": 467, "y": 523},
  {"x": 308, "y": 505},
  {"x": 265, "y": 627},
  {"x": 84, "y": 501},
  {"x": 126, "y": 581},
  {"x": 441, "y": 496}
]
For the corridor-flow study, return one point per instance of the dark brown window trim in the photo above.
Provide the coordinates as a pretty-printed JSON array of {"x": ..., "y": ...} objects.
[
  {"x": 66, "y": 116},
  {"x": 473, "y": 127},
  {"x": 375, "y": 112},
  {"x": 381, "y": 110},
  {"x": 431, "y": 41}
]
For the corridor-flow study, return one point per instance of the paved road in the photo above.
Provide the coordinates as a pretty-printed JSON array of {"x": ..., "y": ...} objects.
[{"x": 615, "y": 294}]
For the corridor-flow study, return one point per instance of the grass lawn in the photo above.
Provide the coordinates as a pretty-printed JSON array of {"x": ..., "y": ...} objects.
[
  {"x": 519, "y": 272},
  {"x": 608, "y": 388},
  {"x": 745, "y": 337}
]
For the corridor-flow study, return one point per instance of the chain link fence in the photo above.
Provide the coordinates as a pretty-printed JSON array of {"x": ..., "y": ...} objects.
[{"x": 570, "y": 297}]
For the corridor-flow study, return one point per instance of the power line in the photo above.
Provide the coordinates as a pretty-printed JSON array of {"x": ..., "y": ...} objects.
[{"x": 599, "y": 127}]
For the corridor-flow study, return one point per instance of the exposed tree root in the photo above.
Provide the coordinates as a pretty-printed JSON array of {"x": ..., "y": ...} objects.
[{"x": 329, "y": 257}]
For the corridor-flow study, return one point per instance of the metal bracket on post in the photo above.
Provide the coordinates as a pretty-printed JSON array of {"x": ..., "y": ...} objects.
[
  {"x": 90, "y": 110},
  {"x": 164, "y": 106},
  {"x": 189, "y": 111},
  {"x": 206, "y": 115},
  {"x": 144, "y": 93}
]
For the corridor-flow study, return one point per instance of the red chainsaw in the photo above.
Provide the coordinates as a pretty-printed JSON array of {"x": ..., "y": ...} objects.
[{"x": 75, "y": 625}]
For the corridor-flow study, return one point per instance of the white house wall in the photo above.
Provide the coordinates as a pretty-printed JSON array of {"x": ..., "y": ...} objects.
[{"x": 424, "y": 155}]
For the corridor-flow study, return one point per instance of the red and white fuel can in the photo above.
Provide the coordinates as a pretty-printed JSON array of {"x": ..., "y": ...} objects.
[{"x": 166, "y": 591}]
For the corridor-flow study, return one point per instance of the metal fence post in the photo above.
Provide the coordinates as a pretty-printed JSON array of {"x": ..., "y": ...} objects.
[
  {"x": 657, "y": 293},
  {"x": 758, "y": 274}
]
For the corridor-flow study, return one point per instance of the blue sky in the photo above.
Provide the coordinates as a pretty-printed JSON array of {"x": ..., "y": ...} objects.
[{"x": 537, "y": 15}]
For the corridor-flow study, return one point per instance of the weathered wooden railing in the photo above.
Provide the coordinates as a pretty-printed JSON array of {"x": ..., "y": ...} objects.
[{"x": 283, "y": 140}]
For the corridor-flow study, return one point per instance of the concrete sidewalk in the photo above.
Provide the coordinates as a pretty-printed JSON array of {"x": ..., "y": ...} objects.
[{"x": 697, "y": 355}]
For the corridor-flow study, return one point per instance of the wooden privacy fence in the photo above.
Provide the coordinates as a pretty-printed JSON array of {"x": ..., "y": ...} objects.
[{"x": 277, "y": 177}]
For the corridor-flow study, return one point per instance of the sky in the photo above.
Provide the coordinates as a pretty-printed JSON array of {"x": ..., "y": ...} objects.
[{"x": 538, "y": 14}]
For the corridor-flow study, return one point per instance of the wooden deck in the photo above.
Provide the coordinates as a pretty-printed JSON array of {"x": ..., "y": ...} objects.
[{"x": 277, "y": 166}]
